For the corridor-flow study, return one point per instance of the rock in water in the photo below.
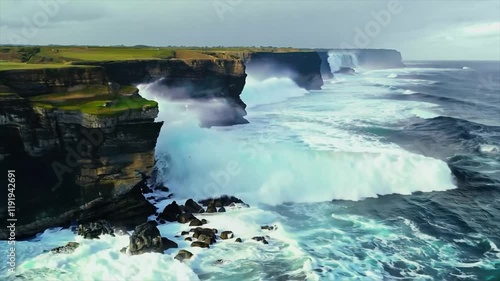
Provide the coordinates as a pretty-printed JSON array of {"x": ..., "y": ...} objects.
[
  {"x": 200, "y": 244},
  {"x": 206, "y": 235},
  {"x": 260, "y": 239},
  {"x": 68, "y": 249},
  {"x": 221, "y": 201},
  {"x": 238, "y": 240},
  {"x": 222, "y": 210},
  {"x": 171, "y": 212},
  {"x": 211, "y": 209},
  {"x": 183, "y": 255},
  {"x": 93, "y": 230},
  {"x": 147, "y": 239},
  {"x": 195, "y": 222},
  {"x": 268, "y": 227},
  {"x": 345, "y": 70},
  {"x": 185, "y": 218},
  {"x": 226, "y": 235},
  {"x": 168, "y": 244},
  {"x": 192, "y": 207}
]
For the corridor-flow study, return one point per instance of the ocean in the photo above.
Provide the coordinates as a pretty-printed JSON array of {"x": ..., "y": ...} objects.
[{"x": 383, "y": 175}]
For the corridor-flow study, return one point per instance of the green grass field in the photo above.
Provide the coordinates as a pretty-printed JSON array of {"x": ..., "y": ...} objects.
[
  {"x": 7, "y": 65},
  {"x": 92, "y": 100}
]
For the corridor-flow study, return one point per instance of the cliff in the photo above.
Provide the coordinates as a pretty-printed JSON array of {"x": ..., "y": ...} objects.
[
  {"x": 72, "y": 165},
  {"x": 202, "y": 80},
  {"x": 82, "y": 144},
  {"x": 302, "y": 67}
]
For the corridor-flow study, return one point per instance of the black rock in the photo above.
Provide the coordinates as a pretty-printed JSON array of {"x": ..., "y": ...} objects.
[
  {"x": 200, "y": 244},
  {"x": 204, "y": 221},
  {"x": 162, "y": 188},
  {"x": 171, "y": 212},
  {"x": 124, "y": 250},
  {"x": 185, "y": 218},
  {"x": 68, "y": 249},
  {"x": 221, "y": 201},
  {"x": 93, "y": 230},
  {"x": 345, "y": 70},
  {"x": 185, "y": 233},
  {"x": 207, "y": 235},
  {"x": 195, "y": 222},
  {"x": 268, "y": 227},
  {"x": 222, "y": 210},
  {"x": 168, "y": 244},
  {"x": 260, "y": 239},
  {"x": 145, "y": 189},
  {"x": 193, "y": 207},
  {"x": 188, "y": 239},
  {"x": 162, "y": 222},
  {"x": 147, "y": 239},
  {"x": 211, "y": 209},
  {"x": 183, "y": 255},
  {"x": 238, "y": 240},
  {"x": 226, "y": 235},
  {"x": 170, "y": 196}
]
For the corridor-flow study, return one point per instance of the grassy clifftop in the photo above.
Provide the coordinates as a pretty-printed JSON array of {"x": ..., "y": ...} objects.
[
  {"x": 95, "y": 100},
  {"x": 33, "y": 57}
]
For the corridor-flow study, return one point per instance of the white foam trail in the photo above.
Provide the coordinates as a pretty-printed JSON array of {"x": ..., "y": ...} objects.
[
  {"x": 94, "y": 260},
  {"x": 489, "y": 149}
]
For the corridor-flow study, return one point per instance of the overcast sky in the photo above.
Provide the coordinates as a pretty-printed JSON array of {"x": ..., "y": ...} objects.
[{"x": 419, "y": 29}]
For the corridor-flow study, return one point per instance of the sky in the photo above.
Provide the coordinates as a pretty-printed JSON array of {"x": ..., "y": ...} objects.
[{"x": 439, "y": 29}]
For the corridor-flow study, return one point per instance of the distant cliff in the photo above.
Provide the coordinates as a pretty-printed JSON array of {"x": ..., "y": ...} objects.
[
  {"x": 302, "y": 67},
  {"x": 364, "y": 58}
]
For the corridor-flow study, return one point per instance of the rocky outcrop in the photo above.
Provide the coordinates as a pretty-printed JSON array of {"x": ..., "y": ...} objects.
[
  {"x": 206, "y": 81},
  {"x": 302, "y": 67},
  {"x": 147, "y": 239},
  {"x": 75, "y": 166}
]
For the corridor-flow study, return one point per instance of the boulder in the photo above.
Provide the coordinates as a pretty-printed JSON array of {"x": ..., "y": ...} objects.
[
  {"x": 188, "y": 239},
  {"x": 221, "y": 201},
  {"x": 268, "y": 227},
  {"x": 222, "y": 210},
  {"x": 168, "y": 244},
  {"x": 193, "y": 207},
  {"x": 162, "y": 188},
  {"x": 147, "y": 239},
  {"x": 226, "y": 235},
  {"x": 67, "y": 249},
  {"x": 93, "y": 230},
  {"x": 183, "y": 255},
  {"x": 200, "y": 244},
  {"x": 195, "y": 222},
  {"x": 185, "y": 233},
  {"x": 238, "y": 240},
  {"x": 185, "y": 218},
  {"x": 206, "y": 235},
  {"x": 211, "y": 209},
  {"x": 345, "y": 70},
  {"x": 260, "y": 239},
  {"x": 204, "y": 221},
  {"x": 171, "y": 212}
]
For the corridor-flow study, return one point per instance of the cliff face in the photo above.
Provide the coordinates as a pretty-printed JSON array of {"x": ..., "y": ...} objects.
[
  {"x": 190, "y": 79},
  {"x": 30, "y": 82},
  {"x": 75, "y": 166},
  {"x": 302, "y": 67}
]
